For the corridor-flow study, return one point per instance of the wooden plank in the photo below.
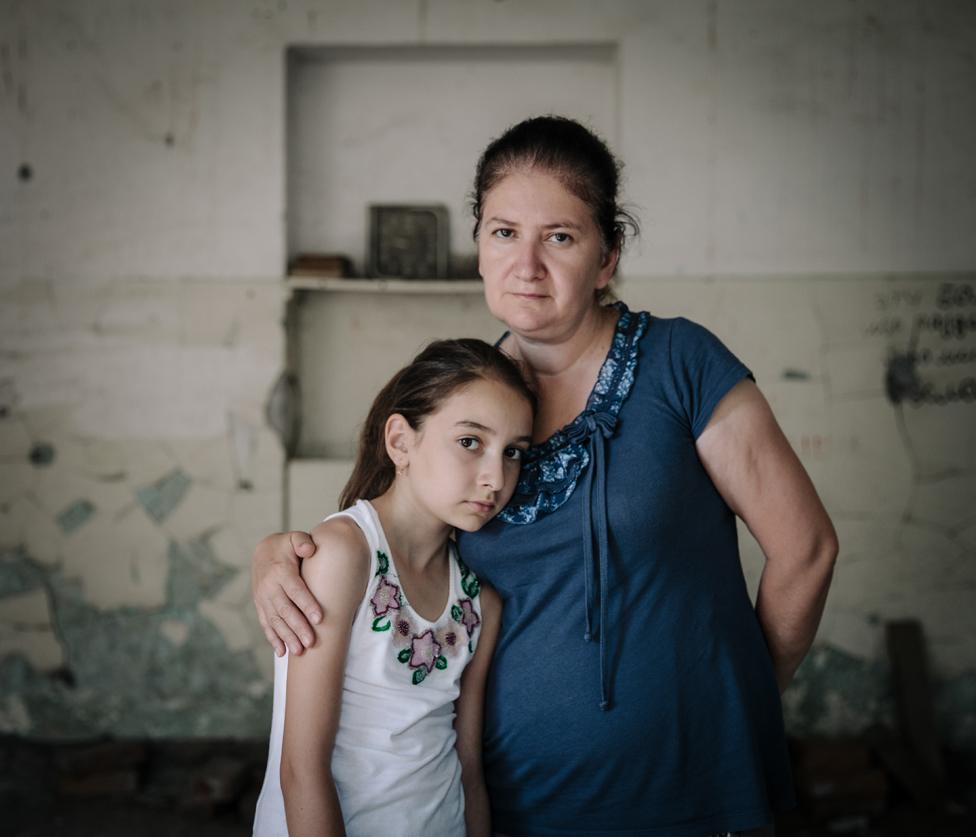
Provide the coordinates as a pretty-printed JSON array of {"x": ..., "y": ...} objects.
[{"x": 913, "y": 696}]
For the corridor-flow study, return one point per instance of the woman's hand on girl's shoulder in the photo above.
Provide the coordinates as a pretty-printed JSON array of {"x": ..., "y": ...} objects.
[{"x": 286, "y": 609}]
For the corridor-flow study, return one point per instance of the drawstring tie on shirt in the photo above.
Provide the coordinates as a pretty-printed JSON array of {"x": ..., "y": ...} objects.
[{"x": 597, "y": 426}]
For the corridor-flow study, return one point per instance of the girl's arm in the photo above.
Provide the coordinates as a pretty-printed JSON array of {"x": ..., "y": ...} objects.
[
  {"x": 470, "y": 716},
  {"x": 337, "y": 575},
  {"x": 757, "y": 473}
]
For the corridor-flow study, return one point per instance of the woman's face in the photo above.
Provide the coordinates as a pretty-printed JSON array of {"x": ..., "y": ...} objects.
[{"x": 541, "y": 256}]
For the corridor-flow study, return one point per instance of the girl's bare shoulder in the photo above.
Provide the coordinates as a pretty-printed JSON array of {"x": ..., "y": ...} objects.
[{"x": 341, "y": 558}]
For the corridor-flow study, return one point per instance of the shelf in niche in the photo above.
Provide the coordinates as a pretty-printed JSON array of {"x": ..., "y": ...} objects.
[{"x": 385, "y": 286}]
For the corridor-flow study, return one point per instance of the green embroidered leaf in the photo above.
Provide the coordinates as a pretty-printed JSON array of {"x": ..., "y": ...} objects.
[
  {"x": 419, "y": 676},
  {"x": 440, "y": 663},
  {"x": 383, "y": 561},
  {"x": 455, "y": 613},
  {"x": 380, "y": 624},
  {"x": 404, "y": 655},
  {"x": 470, "y": 646},
  {"x": 471, "y": 585}
]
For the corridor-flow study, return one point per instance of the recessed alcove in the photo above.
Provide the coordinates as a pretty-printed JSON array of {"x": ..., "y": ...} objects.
[{"x": 405, "y": 124}]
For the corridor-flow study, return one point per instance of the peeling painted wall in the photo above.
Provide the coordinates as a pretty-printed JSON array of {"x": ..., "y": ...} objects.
[
  {"x": 143, "y": 234},
  {"x": 138, "y": 472}
]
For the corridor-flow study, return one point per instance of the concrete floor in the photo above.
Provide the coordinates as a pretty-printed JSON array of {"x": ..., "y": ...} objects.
[
  {"x": 182, "y": 788},
  {"x": 205, "y": 788}
]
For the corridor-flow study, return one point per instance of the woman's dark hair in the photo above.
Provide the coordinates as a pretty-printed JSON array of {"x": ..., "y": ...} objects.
[
  {"x": 571, "y": 153},
  {"x": 415, "y": 392}
]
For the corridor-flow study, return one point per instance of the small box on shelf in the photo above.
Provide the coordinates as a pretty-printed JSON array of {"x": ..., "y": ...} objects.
[{"x": 322, "y": 265}]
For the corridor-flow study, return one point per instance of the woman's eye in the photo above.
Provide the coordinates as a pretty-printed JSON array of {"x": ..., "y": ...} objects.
[
  {"x": 469, "y": 443},
  {"x": 514, "y": 454},
  {"x": 561, "y": 237},
  {"x": 504, "y": 232}
]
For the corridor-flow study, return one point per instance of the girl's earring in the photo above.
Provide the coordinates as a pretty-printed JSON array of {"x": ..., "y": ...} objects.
[{"x": 401, "y": 469}]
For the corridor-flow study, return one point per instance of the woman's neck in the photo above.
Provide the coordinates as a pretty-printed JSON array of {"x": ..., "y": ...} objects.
[
  {"x": 413, "y": 534},
  {"x": 567, "y": 355},
  {"x": 564, "y": 371}
]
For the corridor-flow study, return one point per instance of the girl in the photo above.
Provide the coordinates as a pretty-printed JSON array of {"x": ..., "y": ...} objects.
[{"x": 362, "y": 739}]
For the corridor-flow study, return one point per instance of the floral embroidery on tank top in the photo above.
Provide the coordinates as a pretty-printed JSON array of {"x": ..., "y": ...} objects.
[{"x": 424, "y": 650}]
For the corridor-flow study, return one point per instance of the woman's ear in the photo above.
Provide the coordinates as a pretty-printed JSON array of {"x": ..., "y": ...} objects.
[
  {"x": 399, "y": 437},
  {"x": 607, "y": 268}
]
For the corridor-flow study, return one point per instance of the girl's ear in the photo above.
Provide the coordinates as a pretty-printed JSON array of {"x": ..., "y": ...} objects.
[{"x": 399, "y": 437}]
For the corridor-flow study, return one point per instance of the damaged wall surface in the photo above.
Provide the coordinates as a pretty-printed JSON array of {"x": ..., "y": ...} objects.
[
  {"x": 805, "y": 179},
  {"x": 138, "y": 472}
]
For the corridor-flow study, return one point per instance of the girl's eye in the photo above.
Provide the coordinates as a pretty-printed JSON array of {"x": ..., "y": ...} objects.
[
  {"x": 469, "y": 443},
  {"x": 515, "y": 454}
]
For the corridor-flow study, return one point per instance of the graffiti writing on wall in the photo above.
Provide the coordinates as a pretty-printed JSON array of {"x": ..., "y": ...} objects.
[{"x": 932, "y": 340}]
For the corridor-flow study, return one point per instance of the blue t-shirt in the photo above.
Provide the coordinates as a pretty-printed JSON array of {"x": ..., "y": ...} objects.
[{"x": 631, "y": 691}]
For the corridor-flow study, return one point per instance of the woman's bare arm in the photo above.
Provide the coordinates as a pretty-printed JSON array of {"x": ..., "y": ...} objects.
[
  {"x": 469, "y": 720},
  {"x": 338, "y": 574},
  {"x": 286, "y": 608},
  {"x": 756, "y": 471}
]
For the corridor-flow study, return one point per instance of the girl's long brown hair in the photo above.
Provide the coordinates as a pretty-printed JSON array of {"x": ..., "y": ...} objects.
[{"x": 415, "y": 392}]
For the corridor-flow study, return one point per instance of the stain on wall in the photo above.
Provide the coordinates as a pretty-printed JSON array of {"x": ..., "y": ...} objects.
[
  {"x": 124, "y": 585},
  {"x": 122, "y": 672}
]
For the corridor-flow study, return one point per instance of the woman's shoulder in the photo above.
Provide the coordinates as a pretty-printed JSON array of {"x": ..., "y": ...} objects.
[
  {"x": 684, "y": 338},
  {"x": 680, "y": 328}
]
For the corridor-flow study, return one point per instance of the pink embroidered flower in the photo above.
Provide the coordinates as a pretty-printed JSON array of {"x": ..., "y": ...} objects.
[
  {"x": 424, "y": 651},
  {"x": 469, "y": 618},
  {"x": 450, "y": 638},
  {"x": 386, "y": 598}
]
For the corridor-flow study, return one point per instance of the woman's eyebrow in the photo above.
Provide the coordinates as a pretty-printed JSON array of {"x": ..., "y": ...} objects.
[{"x": 569, "y": 225}]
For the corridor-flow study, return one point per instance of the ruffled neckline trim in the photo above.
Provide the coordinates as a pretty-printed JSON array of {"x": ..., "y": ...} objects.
[
  {"x": 612, "y": 382},
  {"x": 551, "y": 469}
]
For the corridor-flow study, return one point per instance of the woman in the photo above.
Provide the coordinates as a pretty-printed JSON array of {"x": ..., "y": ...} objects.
[{"x": 634, "y": 689}]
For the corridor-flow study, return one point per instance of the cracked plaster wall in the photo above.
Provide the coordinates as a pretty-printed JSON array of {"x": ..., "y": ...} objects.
[
  {"x": 142, "y": 239},
  {"x": 137, "y": 475}
]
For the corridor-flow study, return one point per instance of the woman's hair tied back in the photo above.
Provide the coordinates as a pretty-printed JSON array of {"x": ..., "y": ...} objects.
[{"x": 573, "y": 154}]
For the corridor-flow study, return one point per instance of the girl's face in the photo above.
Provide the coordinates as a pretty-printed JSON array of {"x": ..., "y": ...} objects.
[
  {"x": 464, "y": 460},
  {"x": 540, "y": 254}
]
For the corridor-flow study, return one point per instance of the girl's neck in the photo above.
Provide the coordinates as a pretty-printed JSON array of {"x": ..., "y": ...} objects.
[{"x": 418, "y": 539}]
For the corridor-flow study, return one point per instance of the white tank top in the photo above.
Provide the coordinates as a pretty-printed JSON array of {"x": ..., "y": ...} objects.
[{"x": 394, "y": 762}]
